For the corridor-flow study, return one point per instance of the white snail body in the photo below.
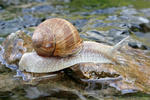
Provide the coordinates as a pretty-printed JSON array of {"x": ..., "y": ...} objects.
[{"x": 31, "y": 62}]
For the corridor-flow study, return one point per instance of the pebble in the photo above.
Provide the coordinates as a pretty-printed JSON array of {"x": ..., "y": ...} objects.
[
  {"x": 79, "y": 22},
  {"x": 137, "y": 45},
  {"x": 145, "y": 27},
  {"x": 129, "y": 11},
  {"x": 112, "y": 17},
  {"x": 39, "y": 9}
]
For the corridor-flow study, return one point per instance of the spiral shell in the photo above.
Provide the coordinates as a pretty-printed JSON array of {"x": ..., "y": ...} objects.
[{"x": 56, "y": 37}]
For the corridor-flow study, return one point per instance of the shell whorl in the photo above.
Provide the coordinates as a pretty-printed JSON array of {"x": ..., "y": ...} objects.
[
  {"x": 91, "y": 52},
  {"x": 56, "y": 37}
]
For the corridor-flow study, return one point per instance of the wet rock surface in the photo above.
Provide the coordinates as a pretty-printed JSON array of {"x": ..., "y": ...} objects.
[
  {"x": 86, "y": 81},
  {"x": 15, "y": 45},
  {"x": 10, "y": 26}
]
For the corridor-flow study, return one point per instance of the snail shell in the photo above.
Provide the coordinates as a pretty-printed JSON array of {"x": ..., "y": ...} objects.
[{"x": 56, "y": 37}]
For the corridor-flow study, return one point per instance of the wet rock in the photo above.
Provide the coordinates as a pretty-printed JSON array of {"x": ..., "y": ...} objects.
[
  {"x": 145, "y": 27},
  {"x": 1, "y": 39},
  {"x": 37, "y": 0},
  {"x": 95, "y": 32},
  {"x": 137, "y": 66},
  {"x": 96, "y": 36},
  {"x": 136, "y": 19},
  {"x": 145, "y": 11},
  {"x": 117, "y": 32},
  {"x": 7, "y": 3},
  {"x": 94, "y": 71},
  {"x": 39, "y": 9},
  {"x": 135, "y": 27},
  {"x": 67, "y": 91},
  {"x": 104, "y": 11},
  {"x": 112, "y": 17},
  {"x": 8, "y": 83},
  {"x": 15, "y": 45},
  {"x": 33, "y": 93},
  {"x": 122, "y": 17},
  {"x": 129, "y": 15},
  {"x": 3, "y": 69},
  {"x": 29, "y": 21},
  {"x": 129, "y": 11},
  {"x": 137, "y": 45},
  {"x": 104, "y": 75},
  {"x": 111, "y": 25},
  {"x": 130, "y": 76},
  {"x": 1, "y": 9},
  {"x": 7, "y": 27},
  {"x": 55, "y": 89},
  {"x": 80, "y": 22},
  {"x": 100, "y": 24},
  {"x": 4, "y": 95},
  {"x": 85, "y": 13},
  {"x": 143, "y": 20},
  {"x": 139, "y": 34}
]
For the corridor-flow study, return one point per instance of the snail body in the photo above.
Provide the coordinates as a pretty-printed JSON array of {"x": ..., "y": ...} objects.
[
  {"x": 58, "y": 46},
  {"x": 91, "y": 52}
]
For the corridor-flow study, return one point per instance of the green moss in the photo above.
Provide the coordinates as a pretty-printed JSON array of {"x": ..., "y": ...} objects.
[
  {"x": 7, "y": 15},
  {"x": 31, "y": 29},
  {"x": 107, "y": 28}
]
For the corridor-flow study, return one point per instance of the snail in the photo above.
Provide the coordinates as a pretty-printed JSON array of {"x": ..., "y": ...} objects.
[{"x": 58, "y": 45}]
